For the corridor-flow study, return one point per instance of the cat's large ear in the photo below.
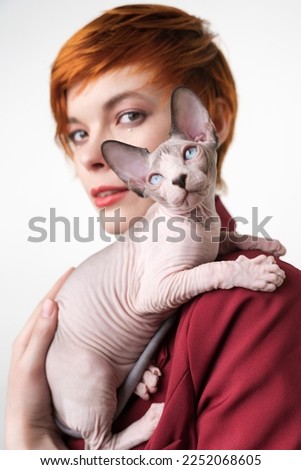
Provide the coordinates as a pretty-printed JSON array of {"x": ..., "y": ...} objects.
[
  {"x": 190, "y": 118},
  {"x": 130, "y": 163}
]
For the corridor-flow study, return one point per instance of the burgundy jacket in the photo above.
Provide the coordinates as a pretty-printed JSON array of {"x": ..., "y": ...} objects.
[{"x": 231, "y": 370}]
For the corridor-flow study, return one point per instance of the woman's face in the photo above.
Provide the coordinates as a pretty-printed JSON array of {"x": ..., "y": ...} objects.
[{"x": 124, "y": 106}]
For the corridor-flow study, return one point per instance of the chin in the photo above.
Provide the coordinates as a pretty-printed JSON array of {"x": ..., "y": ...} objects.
[
  {"x": 111, "y": 228},
  {"x": 116, "y": 220}
]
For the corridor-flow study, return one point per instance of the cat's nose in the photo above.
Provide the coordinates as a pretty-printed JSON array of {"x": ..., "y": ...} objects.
[{"x": 180, "y": 181}]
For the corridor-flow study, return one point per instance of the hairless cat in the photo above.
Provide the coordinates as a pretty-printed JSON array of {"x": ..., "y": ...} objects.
[{"x": 115, "y": 301}]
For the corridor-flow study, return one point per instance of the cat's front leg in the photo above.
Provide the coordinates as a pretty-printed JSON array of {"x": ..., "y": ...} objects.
[
  {"x": 261, "y": 273},
  {"x": 232, "y": 241}
]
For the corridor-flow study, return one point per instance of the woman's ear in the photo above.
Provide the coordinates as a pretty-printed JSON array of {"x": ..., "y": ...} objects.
[{"x": 222, "y": 117}]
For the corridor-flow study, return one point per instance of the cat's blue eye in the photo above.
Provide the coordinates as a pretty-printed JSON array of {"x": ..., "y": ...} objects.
[
  {"x": 190, "y": 153},
  {"x": 155, "y": 179}
]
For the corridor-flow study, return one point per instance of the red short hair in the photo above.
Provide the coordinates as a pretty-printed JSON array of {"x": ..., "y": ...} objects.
[{"x": 179, "y": 48}]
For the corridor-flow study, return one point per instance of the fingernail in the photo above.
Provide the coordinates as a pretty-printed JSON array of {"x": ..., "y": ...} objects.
[{"x": 47, "y": 309}]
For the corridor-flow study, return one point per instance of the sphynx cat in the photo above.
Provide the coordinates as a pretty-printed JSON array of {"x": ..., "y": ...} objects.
[{"x": 115, "y": 301}]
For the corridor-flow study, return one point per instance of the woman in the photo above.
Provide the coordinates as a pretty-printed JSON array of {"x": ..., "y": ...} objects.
[{"x": 228, "y": 364}]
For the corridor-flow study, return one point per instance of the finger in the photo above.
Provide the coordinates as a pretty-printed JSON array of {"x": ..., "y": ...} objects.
[
  {"x": 42, "y": 335},
  {"x": 25, "y": 334},
  {"x": 50, "y": 295}
]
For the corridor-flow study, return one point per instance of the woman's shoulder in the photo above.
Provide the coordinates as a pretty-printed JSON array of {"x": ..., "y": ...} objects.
[
  {"x": 241, "y": 349},
  {"x": 239, "y": 305},
  {"x": 241, "y": 328}
]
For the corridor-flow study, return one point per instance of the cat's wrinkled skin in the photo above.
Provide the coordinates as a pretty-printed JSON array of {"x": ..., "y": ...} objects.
[{"x": 114, "y": 302}]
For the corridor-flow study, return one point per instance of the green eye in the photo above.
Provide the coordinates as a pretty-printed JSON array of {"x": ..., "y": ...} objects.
[
  {"x": 155, "y": 179},
  {"x": 190, "y": 153}
]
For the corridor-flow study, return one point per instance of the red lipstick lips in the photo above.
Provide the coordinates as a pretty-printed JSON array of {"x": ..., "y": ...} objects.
[{"x": 108, "y": 195}]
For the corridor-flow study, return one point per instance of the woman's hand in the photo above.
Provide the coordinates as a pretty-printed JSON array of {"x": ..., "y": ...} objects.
[{"x": 29, "y": 421}]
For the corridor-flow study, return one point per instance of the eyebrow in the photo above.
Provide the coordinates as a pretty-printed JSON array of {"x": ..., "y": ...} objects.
[
  {"x": 72, "y": 120},
  {"x": 120, "y": 97}
]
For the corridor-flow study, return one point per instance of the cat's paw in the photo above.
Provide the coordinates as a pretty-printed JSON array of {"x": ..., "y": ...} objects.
[
  {"x": 260, "y": 273},
  {"x": 274, "y": 247},
  {"x": 149, "y": 382}
]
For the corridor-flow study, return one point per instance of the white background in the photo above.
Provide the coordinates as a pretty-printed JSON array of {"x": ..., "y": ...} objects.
[{"x": 262, "y": 41}]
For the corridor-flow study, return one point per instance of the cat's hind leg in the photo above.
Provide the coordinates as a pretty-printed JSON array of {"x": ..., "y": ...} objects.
[
  {"x": 138, "y": 432},
  {"x": 148, "y": 384}
]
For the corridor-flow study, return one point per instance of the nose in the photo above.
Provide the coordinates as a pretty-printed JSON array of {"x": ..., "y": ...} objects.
[
  {"x": 180, "y": 180},
  {"x": 91, "y": 157}
]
